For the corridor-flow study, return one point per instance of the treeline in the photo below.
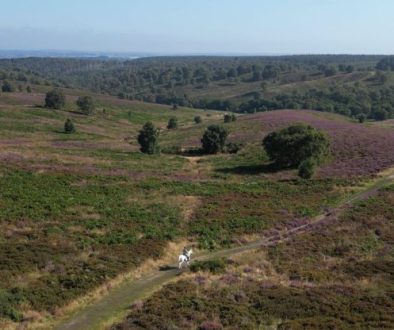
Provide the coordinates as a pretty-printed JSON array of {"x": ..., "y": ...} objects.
[{"x": 177, "y": 80}]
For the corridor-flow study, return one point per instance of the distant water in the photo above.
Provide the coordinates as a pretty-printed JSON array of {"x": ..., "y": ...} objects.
[{"x": 69, "y": 54}]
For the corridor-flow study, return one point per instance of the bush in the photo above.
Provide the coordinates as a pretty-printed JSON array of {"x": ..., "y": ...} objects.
[
  {"x": 230, "y": 118},
  {"x": 148, "y": 138},
  {"x": 290, "y": 146},
  {"x": 214, "y": 139},
  {"x": 172, "y": 123},
  {"x": 86, "y": 104},
  {"x": 234, "y": 147},
  {"x": 214, "y": 266},
  {"x": 306, "y": 170},
  {"x": 69, "y": 127},
  {"x": 227, "y": 118},
  {"x": 7, "y": 87},
  {"x": 197, "y": 119},
  {"x": 55, "y": 99}
]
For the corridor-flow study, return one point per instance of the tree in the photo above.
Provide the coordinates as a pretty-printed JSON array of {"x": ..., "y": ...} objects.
[
  {"x": 55, "y": 99},
  {"x": 380, "y": 114},
  {"x": 197, "y": 119},
  {"x": 172, "y": 123},
  {"x": 7, "y": 87},
  {"x": 214, "y": 139},
  {"x": 227, "y": 118},
  {"x": 290, "y": 146},
  {"x": 86, "y": 104},
  {"x": 361, "y": 117},
  {"x": 148, "y": 138},
  {"x": 28, "y": 89},
  {"x": 69, "y": 127},
  {"x": 306, "y": 170}
]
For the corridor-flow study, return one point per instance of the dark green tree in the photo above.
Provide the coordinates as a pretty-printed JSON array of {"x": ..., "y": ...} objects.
[
  {"x": 227, "y": 118},
  {"x": 172, "y": 123},
  {"x": 214, "y": 139},
  {"x": 7, "y": 87},
  {"x": 380, "y": 114},
  {"x": 290, "y": 146},
  {"x": 148, "y": 138},
  {"x": 55, "y": 99},
  {"x": 197, "y": 119},
  {"x": 86, "y": 104},
  {"x": 361, "y": 117},
  {"x": 69, "y": 127},
  {"x": 306, "y": 170},
  {"x": 28, "y": 89}
]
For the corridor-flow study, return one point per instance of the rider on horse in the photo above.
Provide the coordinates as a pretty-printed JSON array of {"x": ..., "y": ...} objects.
[{"x": 185, "y": 253}]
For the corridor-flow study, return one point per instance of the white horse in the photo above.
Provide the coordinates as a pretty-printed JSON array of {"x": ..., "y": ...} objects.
[{"x": 185, "y": 258}]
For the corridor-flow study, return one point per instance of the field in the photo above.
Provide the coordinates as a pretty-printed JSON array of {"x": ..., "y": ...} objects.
[{"x": 77, "y": 210}]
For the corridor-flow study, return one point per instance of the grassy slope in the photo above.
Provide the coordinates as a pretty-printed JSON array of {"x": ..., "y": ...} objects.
[{"x": 79, "y": 209}]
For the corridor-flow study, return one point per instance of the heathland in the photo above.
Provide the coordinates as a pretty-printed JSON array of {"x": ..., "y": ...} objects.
[{"x": 78, "y": 210}]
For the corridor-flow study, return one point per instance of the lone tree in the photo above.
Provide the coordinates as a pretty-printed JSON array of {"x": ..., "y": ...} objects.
[
  {"x": 55, "y": 99},
  {"x": 7, "y": 87},
  {"x": 69, "y": 127},
  {"x": 361, "y": 117},
  {"x": 214, "y": 139},
  {"x": 290, "y": 146},
  {"x": 86, "y": 104},
  {"x": 197, "y": 119},
  {"x": 172, "y": 123},
  {"x": 230, "y": 118},
  {"x": 148, "y": 138}
]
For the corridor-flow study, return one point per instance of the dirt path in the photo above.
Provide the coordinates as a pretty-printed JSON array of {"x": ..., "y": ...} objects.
[{"x": 116, "y": 303}]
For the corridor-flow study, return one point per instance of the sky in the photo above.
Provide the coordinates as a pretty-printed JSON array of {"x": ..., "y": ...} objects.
[{"x": 199, "y": 26}]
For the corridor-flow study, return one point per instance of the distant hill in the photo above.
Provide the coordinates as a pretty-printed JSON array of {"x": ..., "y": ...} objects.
[{"x": 352, "y": 85}]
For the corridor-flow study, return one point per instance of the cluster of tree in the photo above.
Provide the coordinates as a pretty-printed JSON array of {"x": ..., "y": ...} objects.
[
  {"x": 176, "y": 80},
  {"x": 213, "y": 140},
  {"x": 386, "y": 64},
  {"x": 55, "y": 99},
  {"x": 155, "y": 78},
  {"x": 350, "y": 101},
  {"x": 299, "y": 146}
]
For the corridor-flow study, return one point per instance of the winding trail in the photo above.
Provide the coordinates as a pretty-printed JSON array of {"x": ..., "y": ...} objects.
[{"x": 116, "y": 303}]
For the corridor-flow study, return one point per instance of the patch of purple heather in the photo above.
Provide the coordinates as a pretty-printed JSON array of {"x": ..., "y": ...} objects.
[{"x": 356, "y": 149}]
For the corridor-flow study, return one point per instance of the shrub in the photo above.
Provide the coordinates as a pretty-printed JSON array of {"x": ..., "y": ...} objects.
[
  {"x": 172, "y": 123},
  {"x": 307, "y": 168},
  {"x": 69, "y": 127},
  {"x": 7, "y": 87},
  {"x": 290, "y": 146},
  {"x": 234, "y": 147},
  {"x": 197, "y": 119},
  {"x": 230, "y": 118},
  {"x": 214, "y": 266},
  {"x": 86, "y": 104},
  {"x": 227, "y": 118},
  {"x": 55, "y": 99},
  {"x": 148, "y": 138},
  {"x": 214, "y": 139}
]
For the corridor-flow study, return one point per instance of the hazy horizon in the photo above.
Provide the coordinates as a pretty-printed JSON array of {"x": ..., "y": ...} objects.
[{"x": 199, "y": 27}]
